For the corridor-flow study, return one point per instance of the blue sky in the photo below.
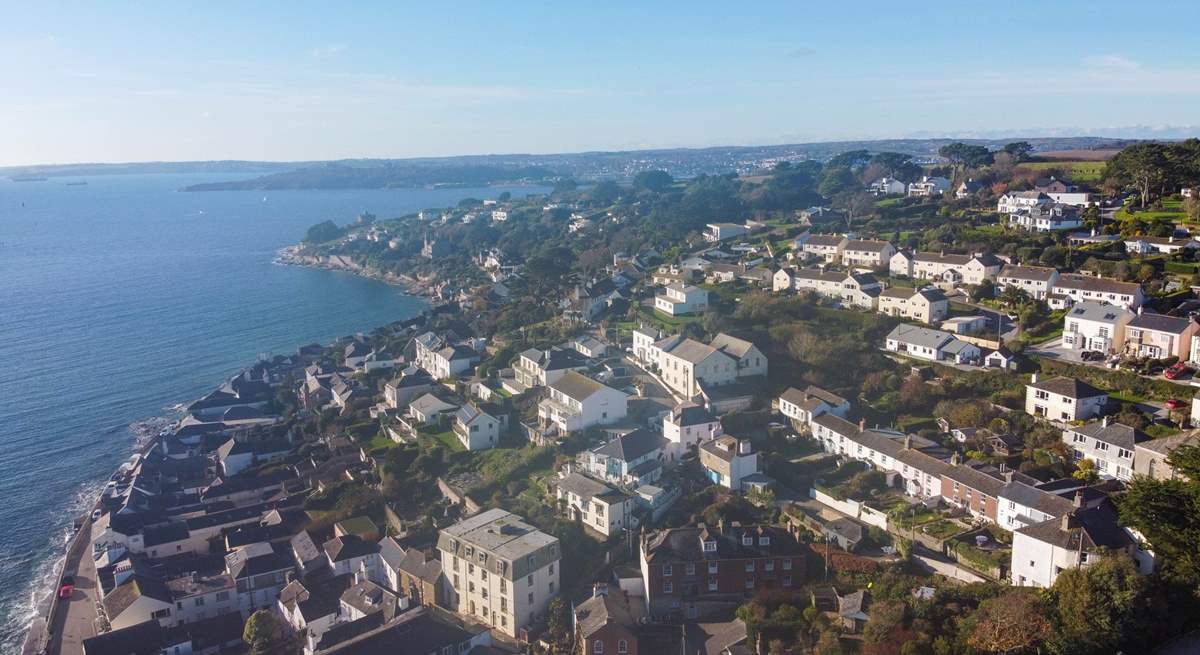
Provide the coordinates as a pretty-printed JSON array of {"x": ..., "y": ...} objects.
[{"x": 290, "y": 81}]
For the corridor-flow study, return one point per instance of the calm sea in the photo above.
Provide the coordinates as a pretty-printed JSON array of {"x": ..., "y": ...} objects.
[{"x": 124, "y": 297}]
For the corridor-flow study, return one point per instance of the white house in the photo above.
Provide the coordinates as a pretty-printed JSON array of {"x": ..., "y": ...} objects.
[
  {"x": 928, "y": 186},
  {"x": 867, "y": 253},
  {"x": 1082, "y": 288},
  {"x": 1063, "y": 399},
  {"x": 475, "y": 428},
  {"x": 1017, "y": 201},
  {"x": 680, "y": 300},
  {"x": 717, "y": 232},
  {"x": 728, "y": 461},
  {"x": 1078, "y": 538},
  {"x": 804, "y": 406},
  {"x": 596, "y": 505},
  {"x": 887, "y": 186},
  {"x": 1095, "y": 326},
  {"x": 691, "y": 362},
  {"x": 687, "y": 426},
  {"x": 967, "y": 189},
  {"x": 1037, "y": 281},
  {"x": 537, "y": 368},
  {"x": 632, "y": 459},
  {"x": 932, "y": 345},
  {"x": 1111, "y": 446},
  {"x": 577, "y": 402},
  {"x": 1047, "y": 218},
  {"x": 825, "y": 247}
]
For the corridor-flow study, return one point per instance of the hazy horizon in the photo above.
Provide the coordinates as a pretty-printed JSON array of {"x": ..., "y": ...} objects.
[{"x": 138, "y": 83}]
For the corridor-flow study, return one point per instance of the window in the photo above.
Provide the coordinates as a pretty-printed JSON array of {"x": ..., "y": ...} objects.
[
  {"x": 1101, "y": 446},
  {"x": 551, "y": 569},
  {"x": 199, "y": 602},
  {"x": 529, "y": 581},
  {"x": 712, "y": 584},
  {"x": 551, "y": 587},
  {"x": 222, "y": 595},
  {"x": 787, "y": 565},
  {"x": 749, "y": 567},
  {"x": 691, "y": 568},
  {"x": 750, "y": 582},
  {"x": 668, "y": 588},
  {"x": 787, "y": 580},
  {"x": 747, "y": 540},
  {"x": 598, "y": 647},
  {"x": 667, "y": 569},
  {"x": 710, "y": 546},
  {"x": 768, "y": 565},
  {"x": 764, "y": 541},
  {"x": 622, "y": 646},
  {"x": 712, "y": 567},
  {"x": 531, "y": 602}
]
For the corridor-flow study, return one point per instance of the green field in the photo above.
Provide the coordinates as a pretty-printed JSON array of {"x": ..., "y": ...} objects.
[
  {"x": 1172, "y": 211},
  {"x": 1077, "y": 171}
]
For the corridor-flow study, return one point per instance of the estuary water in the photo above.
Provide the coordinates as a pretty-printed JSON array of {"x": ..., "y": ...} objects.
[{"x": 124, "y": 297}]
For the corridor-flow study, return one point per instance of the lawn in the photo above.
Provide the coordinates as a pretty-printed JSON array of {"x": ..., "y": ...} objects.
[
  {"x": 446, "y": 437},
  {"x": 942, "y": 529},
  {"x": 670, "y": 323},
  {"x": 380, "y": 442},
  {"x": 1076, "y": 171},
  {"x": 1172, "y": 211}
]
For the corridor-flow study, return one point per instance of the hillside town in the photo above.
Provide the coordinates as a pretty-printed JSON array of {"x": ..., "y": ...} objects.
[{"x": 866, "y": 405}]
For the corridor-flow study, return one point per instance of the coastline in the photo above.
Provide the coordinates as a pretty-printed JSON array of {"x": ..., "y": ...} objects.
[{"x": 292, "y": 256}]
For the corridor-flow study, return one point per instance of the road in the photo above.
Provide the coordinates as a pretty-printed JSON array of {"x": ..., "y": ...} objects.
[{"x": 75, "y": 619}]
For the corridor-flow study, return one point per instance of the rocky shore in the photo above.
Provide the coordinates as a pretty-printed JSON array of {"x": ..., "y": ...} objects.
[{"x": 294, "y": 256}]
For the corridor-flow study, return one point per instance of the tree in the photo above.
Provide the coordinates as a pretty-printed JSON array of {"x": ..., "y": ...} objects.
[
  {"x": 1167, "y": 512},
  {"x": 885, "y": 617},
  {"x": 963, "y": 155},
  {"x": 1097, "y": 606},
  {"x": 1013, "y": 622},
  {"x": 1018, "y": 149},
  {"x": 323, "y": 232},
  {"x": 1086, "y": 471},
  {"x": 829, "y": 644},
  {"x": 558, "y": 620},
  {"x": 605, "y": 192},
  {"x": 838, "y": 181},
  {"x": 264, "y": 634},
  {"x": 655, "y": 181},
  {"x": 1143, "y": 166}
]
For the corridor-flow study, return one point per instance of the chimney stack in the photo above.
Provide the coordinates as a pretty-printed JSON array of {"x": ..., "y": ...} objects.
[
  {"x": 1033, "y": 379},
  {"x": 862, "y": 424},
  {"x": 1068, "y": 521},
  {"x": 908, "y": 442},
  {"x": 744, "y": 447},
  {"x": 954, "y": 459},
  {"x": 1008, "y": 476},
  {"x": 599, "y": 589},
  {"x": 1079, "y": 498},
  {"x": 1104, "y": 422}
]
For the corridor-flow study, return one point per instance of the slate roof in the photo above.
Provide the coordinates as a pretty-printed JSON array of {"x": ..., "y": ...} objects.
[
  {"x": 692, "y": 351},
  {"x": 127, "y": 593},
  {"x": 576, "y": 386},
  {"x": 731, "y": 345},
  {"x": 1098, "y": 284},
  {"x": 686, "y": 544},
  {"x": 415, "y": 632},
  {"x": 1088, "y": 528},
  {"x": 691, "y": 414},
  {"x": 1160, "y": 323},
  {"x": 1029, "y": 496},
  {"x": 1094, "y": 311},
  {"x": 599, "y": 611},
  {"x": 1116, "y": 434},
  {"x": 1069, "y": 387},
  {"x": 920, "y": 336},
  {"x": 428, "y": 404},
  {"x": 824, "y": 240},
  {"x": 1035, "y": 273},
  {"x": 144, "y": 638},
  {"x": 348, "y": 547},
  {"x": 867, "y": 245},
  {"x": 632, "y": 445}
]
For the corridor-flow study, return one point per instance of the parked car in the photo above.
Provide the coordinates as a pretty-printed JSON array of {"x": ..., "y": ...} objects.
[
  {"x": 95, "y": 515},
  {"x": 1176, "y": 403},
  {"x": 1091, "y": 356},
  {"x": 67, "y": 586},
  {"x": 1176, "y": 370}
]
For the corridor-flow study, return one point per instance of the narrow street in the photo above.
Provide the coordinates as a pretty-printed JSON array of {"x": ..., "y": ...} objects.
[{"x": 75, "y": 619}]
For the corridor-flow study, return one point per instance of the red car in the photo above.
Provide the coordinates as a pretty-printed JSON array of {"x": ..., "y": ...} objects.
[
  {"x": 1175, "y": 403},
  {"x": 67, "y": 587},
  {"x": 1175, "y": 371}
]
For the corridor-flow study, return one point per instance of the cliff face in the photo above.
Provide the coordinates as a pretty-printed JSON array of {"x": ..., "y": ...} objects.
[{"x": 295, "y": 257}]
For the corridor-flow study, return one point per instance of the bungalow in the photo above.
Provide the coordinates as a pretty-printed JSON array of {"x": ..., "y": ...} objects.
[
  {"x": 576, "y": 402},
  {"x": 1001, "y": 358},
  {"x": 717, "y": 232},
  {"x": 1144, "y": 245},
  {"x": 1037, "y": 281},
  {"x": 825, "y": 247},
  {"x": 933, "y": 345},
  {"x": 867, "y": 253},
  {"x": 1079, "y": 288},
  {"x": 926, "y": 305},
  {"x": 728, "y": 461},
  {"x": 1160, "y": 336},
  {"x": 887, "y": 186},
  {"x": 429, "y": 409},
  {"x": 1092, "y": 325},
  {"x": 1063, "y": 399},
  {"x": 928, "y": 186},
  {"x": 680, "y": 300},
  {"x": 1111, "y": 446},
  {"x": 804, "y": 406}
]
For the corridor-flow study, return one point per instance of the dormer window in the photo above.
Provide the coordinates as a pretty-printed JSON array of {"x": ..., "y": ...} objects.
[
  {"x": 747, "y": 540},
  {"x": 764, "y": 541},
  {"x": 710, "y": 546}
]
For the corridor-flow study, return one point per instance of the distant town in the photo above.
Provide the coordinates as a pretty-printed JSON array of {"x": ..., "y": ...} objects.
[{"x": 864, "y": 400}]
